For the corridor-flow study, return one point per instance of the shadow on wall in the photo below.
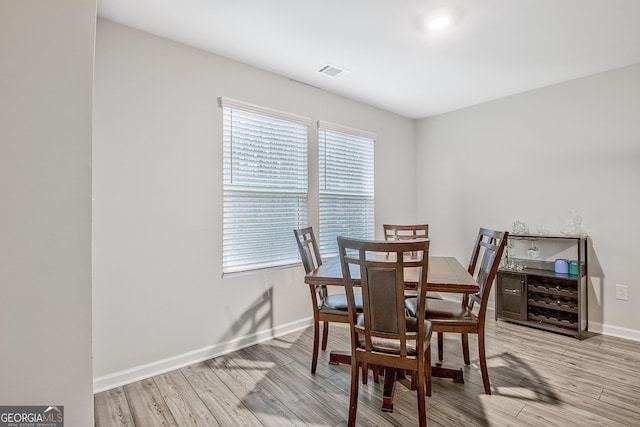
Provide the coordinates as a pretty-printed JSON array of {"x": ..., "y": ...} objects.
[
  {"x": 258, "y": 317},
  {"x": 595, "y": 286}
]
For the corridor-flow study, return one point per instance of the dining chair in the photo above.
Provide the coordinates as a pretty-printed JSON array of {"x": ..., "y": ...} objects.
[
  {"x": 467, "y": 318},
  {"x": 326, "y": 307},
  {"x": 405, "y": 232},
  {"x": 382, "y": 334},
  {"x": 408, "y": 232}
]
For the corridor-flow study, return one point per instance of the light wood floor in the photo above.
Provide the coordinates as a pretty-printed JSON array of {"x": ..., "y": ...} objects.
[{"x": 538, "y": 379}]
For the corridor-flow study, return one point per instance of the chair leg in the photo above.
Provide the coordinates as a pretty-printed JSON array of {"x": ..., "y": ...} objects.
[
  {"x": 440, "y": 345},
  {"x": 353, "y": 399},
  {"x": 483, "y": 363},
  {"x": 325, "y": 335},
  {"x": 365, "y": 373},
  {"x": 316, "y": 339},
  {"x": 422, "y": 412},
  {"x": 427, "y": 370},
  {"x": 465, "y": 348}
]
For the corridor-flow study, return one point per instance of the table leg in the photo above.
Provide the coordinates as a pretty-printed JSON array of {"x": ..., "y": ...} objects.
[
  {"x": 336, "y": 357},
  {"x": 455, "y": 374}
]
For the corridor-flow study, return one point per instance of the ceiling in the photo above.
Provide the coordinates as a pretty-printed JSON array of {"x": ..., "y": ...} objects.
[{"x": 494, "y": 49}]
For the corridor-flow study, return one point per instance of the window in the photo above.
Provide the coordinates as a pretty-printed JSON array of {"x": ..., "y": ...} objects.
[
  {"x": 265, "y": 186},
  {"x": 346, "y": 185}
]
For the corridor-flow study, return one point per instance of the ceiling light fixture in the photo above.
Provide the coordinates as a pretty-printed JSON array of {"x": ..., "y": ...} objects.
[
  {"x": 439, "y": 19},
  {"x": 439, "y": 23}
]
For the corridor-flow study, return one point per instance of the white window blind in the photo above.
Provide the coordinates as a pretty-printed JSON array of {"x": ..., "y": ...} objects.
[
  {"x": 265, "y": 186},
  {"x": 346, "y": 185}
]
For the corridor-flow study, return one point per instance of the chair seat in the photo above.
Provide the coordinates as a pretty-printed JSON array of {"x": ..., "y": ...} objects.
[
  {"x": 391, "y": 346},
  {"x": 431, "y": 295},
  {"x": 337, "y": 304},
  {"x": 443, "y": 311}
]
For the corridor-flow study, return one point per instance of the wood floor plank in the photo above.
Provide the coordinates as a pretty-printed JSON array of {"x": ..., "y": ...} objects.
[
  {"x": 627, "y": 398},
  {"x": 567, "y": 415},
  {"x": 254, "y": 396},
  {"x": 225, "y": 406},
  {"x": 299, "y": 397},
  {"x": 619, "y": 346},
  {"x": 269, "y": 352},
  {"x": 448, "y": 414},
  {"x": 112, "y": 409},
  {"x": 196, "y": 368},
  {"x": 617, "y": 368},
  {"x": 184, "y": 403},
  {"x": 470, "y": 396},
  {"x": 605, "y": 410},
  {"x": 148, "y": 407}
]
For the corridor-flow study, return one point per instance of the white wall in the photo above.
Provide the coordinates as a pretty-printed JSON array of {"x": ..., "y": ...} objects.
[
  {"x": 46, "y": 72},
  {"x": 159, "y": 300},
  {"x": 534, "y": 156}
]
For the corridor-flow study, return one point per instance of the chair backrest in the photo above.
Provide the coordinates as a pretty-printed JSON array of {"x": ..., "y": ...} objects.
[
  {"x": 308, "y": 248},
  {"x": 379, "y": 269},
  {"x": 405, "y": 232},
  {"x": 488, "y": 249}
]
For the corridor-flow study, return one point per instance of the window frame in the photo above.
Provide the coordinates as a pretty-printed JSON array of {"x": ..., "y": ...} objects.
[
  {"x": 277, "y": 258},
  {"x": 327, "y": 245}
]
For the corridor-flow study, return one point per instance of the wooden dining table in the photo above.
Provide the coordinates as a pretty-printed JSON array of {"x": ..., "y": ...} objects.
[{"x": 445, "y": 274}]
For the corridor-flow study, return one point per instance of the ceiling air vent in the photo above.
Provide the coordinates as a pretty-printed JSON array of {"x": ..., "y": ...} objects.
[{"x": 332, "y": 71}]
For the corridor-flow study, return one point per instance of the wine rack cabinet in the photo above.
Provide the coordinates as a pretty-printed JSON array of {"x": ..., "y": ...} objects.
[{"x": 539, "y": 297}]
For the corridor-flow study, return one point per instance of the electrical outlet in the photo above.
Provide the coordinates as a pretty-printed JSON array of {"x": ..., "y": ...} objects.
[{"x": 622, "y": 292}]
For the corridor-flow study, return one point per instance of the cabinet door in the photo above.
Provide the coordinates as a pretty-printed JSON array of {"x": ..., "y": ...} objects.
[{"x": 511, "y": 296}]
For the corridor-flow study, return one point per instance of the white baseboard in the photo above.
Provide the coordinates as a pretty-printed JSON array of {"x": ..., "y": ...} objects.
[
  {"x": 138, "y": 373},
  {"x": 614, "y": 331}
]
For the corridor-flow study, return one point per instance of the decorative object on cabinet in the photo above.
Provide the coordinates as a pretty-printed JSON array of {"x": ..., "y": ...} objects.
[
  {"x": 519, "y": 227},
  {"x": 539, "y": 296},
  {"x": 573, "y": 226}
]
